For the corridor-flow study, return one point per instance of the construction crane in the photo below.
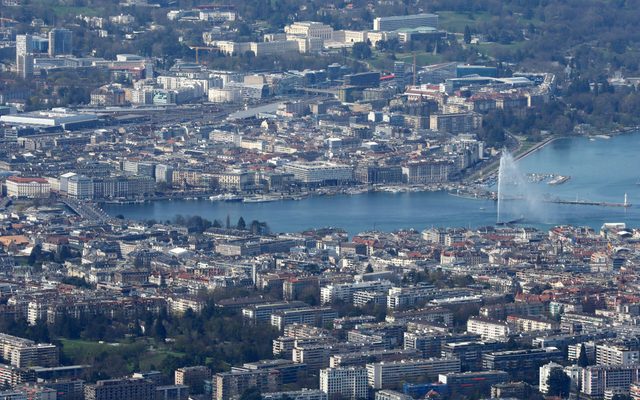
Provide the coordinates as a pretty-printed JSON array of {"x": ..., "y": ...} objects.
[{"x": 198, "y": 48}]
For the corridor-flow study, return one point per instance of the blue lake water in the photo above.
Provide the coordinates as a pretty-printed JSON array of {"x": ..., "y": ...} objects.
[{"x": 600, "y": 170}]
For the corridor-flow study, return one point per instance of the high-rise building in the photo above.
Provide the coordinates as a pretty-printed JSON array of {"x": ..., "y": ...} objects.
[
  {"x": 345, "y": 382},
  {"x": 24, "y": 55},
  {"x": 60, "y": 41}
]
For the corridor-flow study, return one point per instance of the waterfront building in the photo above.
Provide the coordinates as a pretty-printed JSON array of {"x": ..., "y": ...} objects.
[
  {"x": 425, "y": 172},
  {"x": 29, "y": 188},
  {"x": 319, "y": 172}
]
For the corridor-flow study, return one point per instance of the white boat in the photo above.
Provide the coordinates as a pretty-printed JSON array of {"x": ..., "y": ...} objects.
[
  {"x": 261, "y": 199},
  {"x": 225, "y": 197}
]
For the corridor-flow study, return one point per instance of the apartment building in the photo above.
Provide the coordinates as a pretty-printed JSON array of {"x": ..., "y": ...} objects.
[
  {"x": 261, "y": 313},
  {"x": 347, "y": 382},
  {"x": 616, "y": 354},
  {"x": 385, "y": 375},
  {"x": 318, "y": 316},
  {"x": 401, "y": 297},
  {"x": 489, "y": 329},
  {"x": 596, "y": 379},
  {"x": 120, "y": 389},
  {"x": 193, "y": 377},
  {"x": 345, "y": 291},
  {"x": 228, "y": 385},
  {"x": 23, "y": 353}
]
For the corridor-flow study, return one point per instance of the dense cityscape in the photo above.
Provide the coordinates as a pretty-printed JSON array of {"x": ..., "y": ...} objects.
[{"x": 151, "y": 153}]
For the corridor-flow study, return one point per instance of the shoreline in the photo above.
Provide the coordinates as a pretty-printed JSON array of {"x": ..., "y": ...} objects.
[
  {"x": 538, "y": 146},
  {"x": 397, "y": 188}
]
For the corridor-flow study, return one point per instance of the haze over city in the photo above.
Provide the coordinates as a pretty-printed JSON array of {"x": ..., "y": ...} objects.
[{"x": 319, "y": 200}]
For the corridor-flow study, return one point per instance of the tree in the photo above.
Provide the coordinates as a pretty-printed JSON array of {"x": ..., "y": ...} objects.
[
  {"x": 253, "y": 393},
  {"x": 159, "y": 331},
  {"x": 467, "y": 34},
  {"x": 559, "y": 383},
  {"x": 228, "y": 224},
  {"x": 36, "y": 253},
  {"x": 241, "y": 224},
  {"x": 583, "y": 360},
  {"x": 361, "y": 51}
]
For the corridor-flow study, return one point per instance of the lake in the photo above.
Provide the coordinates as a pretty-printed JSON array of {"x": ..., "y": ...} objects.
[{"x": 600, "y": 169}]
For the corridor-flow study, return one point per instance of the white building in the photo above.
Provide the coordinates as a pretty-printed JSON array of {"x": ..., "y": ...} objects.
[
  {"x": 612, "y": 354},
  {"x": 29, "y": 188},
  {"x": 319, "y": 171},
  {"x": 55, "y": 117},
  {"x": 261, "y": 49},
  {"x": 399, "y": 297},
  {"x": 385, "y": 375},
  {"x": 225, "y": 95},
  {"x": 405, "y": 22},
  {"x": 310, "y": 29},
  {"x": 489, "y": 329},
  {"x": 545, "y": 371},
  {"x": 79, "y": 187},
  {"x": 349, "y": 383},
  {"x": 597, "y": 379},
  {"x": 345, "y": 291}
]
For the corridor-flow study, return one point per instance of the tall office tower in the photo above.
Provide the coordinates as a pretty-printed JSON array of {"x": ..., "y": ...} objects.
[
  {"x": 24, "y": 56},
  {"x": 60, "y": 42}
]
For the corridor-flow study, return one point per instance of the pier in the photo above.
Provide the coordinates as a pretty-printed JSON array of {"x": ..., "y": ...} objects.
[{"x": 589, "y": 203}]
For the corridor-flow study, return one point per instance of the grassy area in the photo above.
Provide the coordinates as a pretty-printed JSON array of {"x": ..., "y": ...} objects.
[
  {"x": 455, "y": 22},
  {"x": 381, "y": 61},
  {"x": 496, "y": 49},
  {"x": 422, "y": 58},
  {"x": 66, "y": 10},
  {"x": 144, "y": 351}
]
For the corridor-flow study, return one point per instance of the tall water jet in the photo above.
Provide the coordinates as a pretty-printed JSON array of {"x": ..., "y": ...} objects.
[{"x": 517, "y": 198}]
